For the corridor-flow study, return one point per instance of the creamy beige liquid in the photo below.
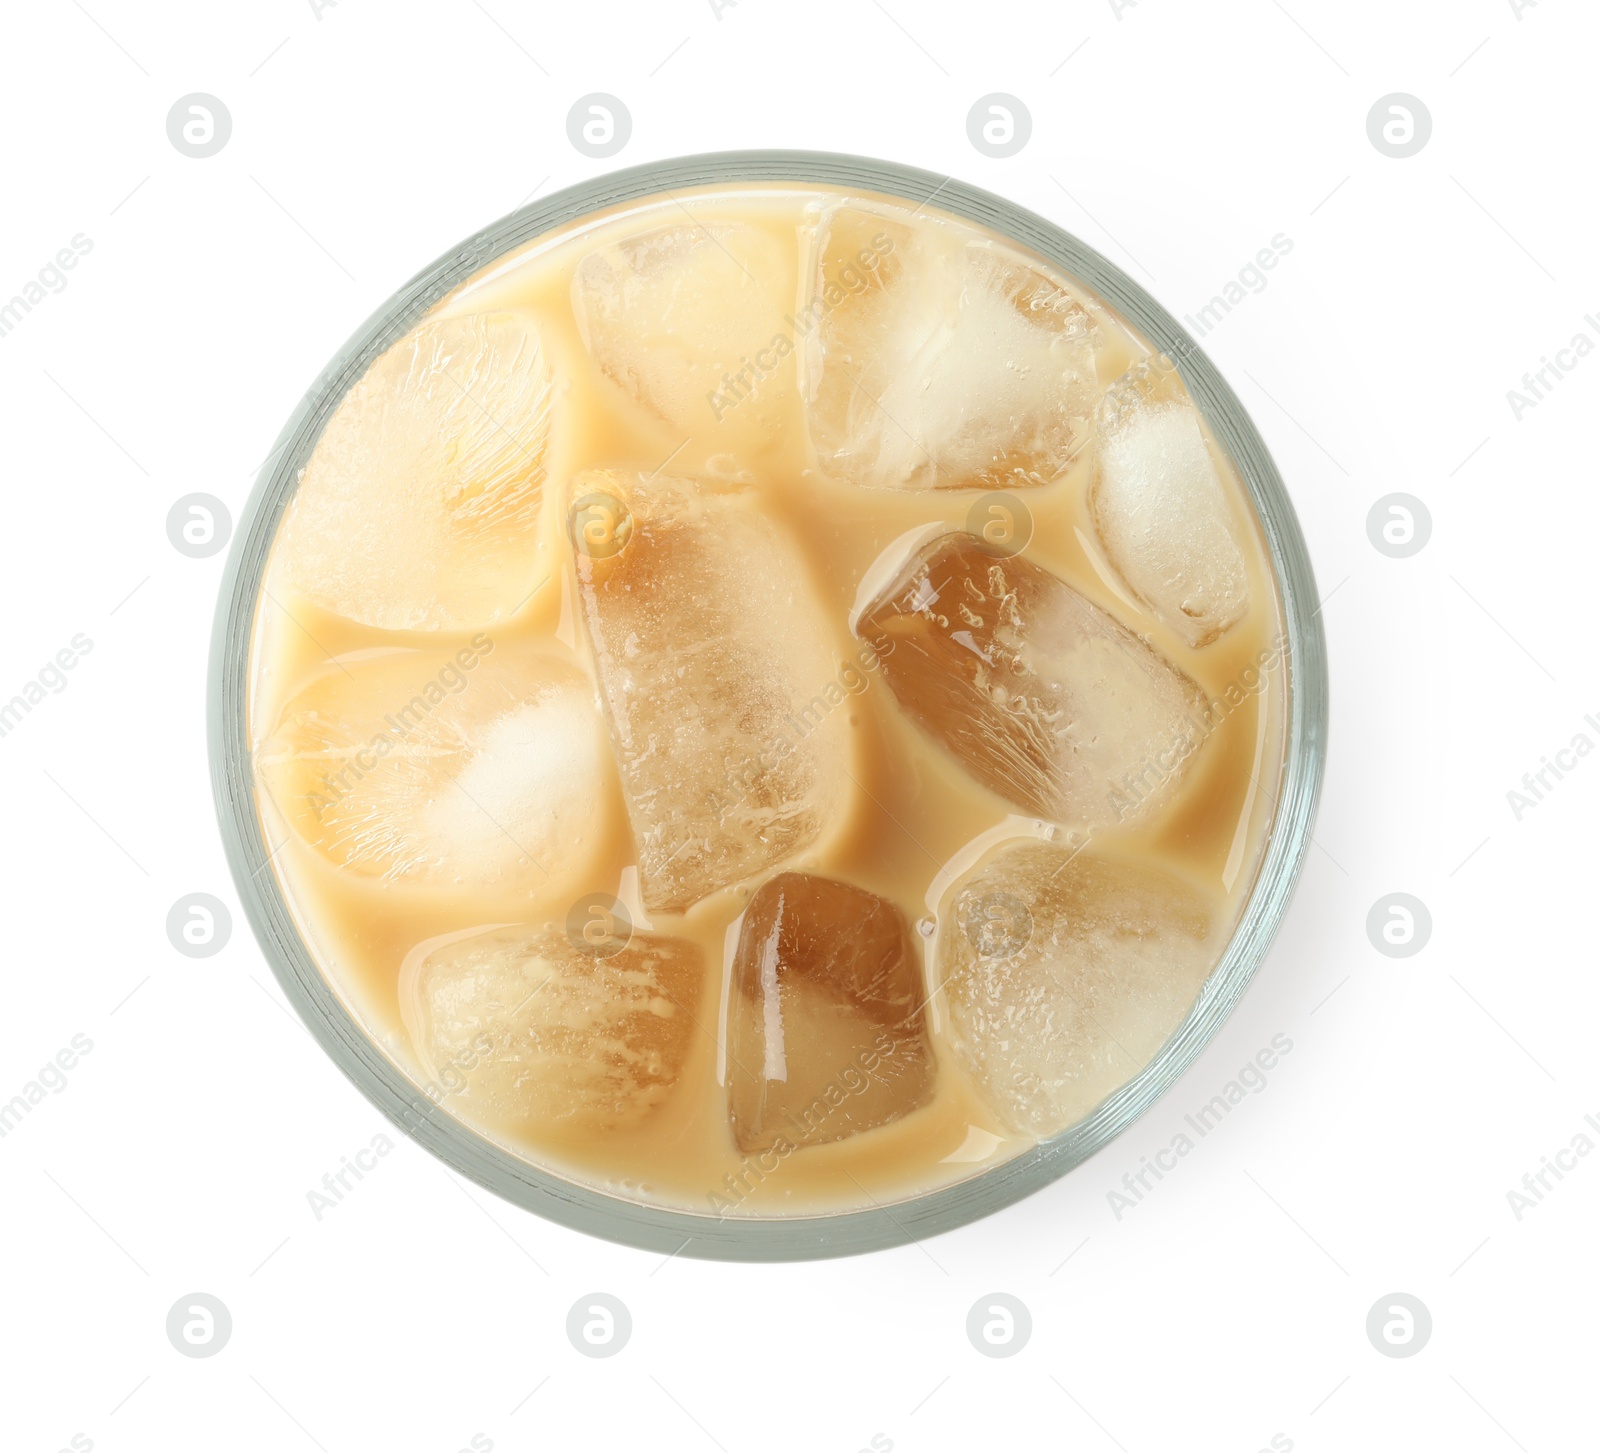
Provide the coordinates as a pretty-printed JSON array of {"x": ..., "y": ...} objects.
[{"x": 918, "y": 820}]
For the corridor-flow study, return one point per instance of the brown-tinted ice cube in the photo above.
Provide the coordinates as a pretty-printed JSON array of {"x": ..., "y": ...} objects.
[
  {"x": 1040, "y": 694},
  {"x": 826, "y": 1036},
  {"x": 1064, "y": 971},
  {"x": 719, "y": 677},
  {"x": 521, "y": 1027}
]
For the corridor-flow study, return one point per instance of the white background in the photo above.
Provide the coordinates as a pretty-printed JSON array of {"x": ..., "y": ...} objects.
[{"x": 1229, "y": 1306}]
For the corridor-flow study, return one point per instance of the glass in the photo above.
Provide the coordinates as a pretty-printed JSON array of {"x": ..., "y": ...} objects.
[{"x": 616, "y": 1217}]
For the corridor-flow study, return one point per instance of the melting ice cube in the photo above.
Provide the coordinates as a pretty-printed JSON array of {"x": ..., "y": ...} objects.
[
  {"x": 825, "y": 1026},
  {"x": 721, "y": 681},
  {"x": 418, "y": 508},
  {"x": 691, "y": 320},
  {"x": 484, "y": 766},
  {"x": 939, "y": 360},
  {"x": 1040, "y": 694},
  {"x": 533, "y": 1033},
  {"x": 1065, "y": 970},
  {"x": 1159, "y": 507}
]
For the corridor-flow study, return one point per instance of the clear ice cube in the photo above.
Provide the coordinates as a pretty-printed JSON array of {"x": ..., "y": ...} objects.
[
  {"x": 1160, "y": 509},
  {"x": 519, "y": 1026},
  {"x": 719, "y": 675},
  {"x": 418, "y": 508},
  {"x": 938, "y": 360},
  {"x": 1064, "y": 972},
  {"x": 482, "y": 767},
  {"x": 1040, "y": 694},
  {"x": 826, "y": 1036},
  {"x": 691, "y": 320}
]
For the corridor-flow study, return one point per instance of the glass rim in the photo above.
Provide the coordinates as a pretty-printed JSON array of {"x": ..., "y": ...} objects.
[{"x": 752, "y": 1237}]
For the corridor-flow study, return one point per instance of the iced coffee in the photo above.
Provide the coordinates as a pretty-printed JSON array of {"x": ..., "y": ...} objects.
[{"x": 768, "y": 700}]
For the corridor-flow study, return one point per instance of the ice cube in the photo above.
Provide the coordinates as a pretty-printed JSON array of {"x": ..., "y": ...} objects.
[
  {"x": 942, "y": 360},
  {"x": 1064, "y": 971},
  {"x": 517, "y": 1025},
  {"x": 825, "y": 1026},
  {"x": 485, "y": 766},
  {"x": 418, "y": 508},
  {"x": 721, "y": 681},
  {"x": 691, "y": 320},
  {"x": 1160, "y": 509},
  {"x": 1039, "y": 693}
]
